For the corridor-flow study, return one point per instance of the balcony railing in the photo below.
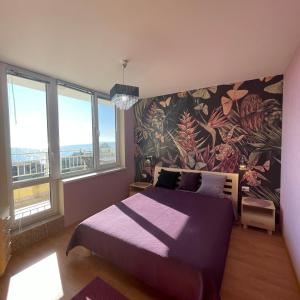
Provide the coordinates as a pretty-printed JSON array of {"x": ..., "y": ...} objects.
[
  {"x": 30, "y": 165},
  {"x": 36, "y": 164},
  {"x": 32, "y": 209},
  {"x": 76, "y": 162}
]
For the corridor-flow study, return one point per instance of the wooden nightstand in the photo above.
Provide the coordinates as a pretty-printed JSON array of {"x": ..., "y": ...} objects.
[
  {"x": 5, "y": 244},
  {"x": 137, "y": 187},
  {"x": 258, "y": 213}
]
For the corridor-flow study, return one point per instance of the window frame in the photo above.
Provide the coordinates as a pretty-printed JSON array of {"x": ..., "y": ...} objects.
[
  {"x": 84, "y": 90},
  {"x": 55, "y": 175},
  {"x": 106, "y": 167},
  {"x": 51, "y": 179}
]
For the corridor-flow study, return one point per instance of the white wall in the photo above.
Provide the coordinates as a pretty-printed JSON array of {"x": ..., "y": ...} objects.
[{"x": 290, "y": 169}]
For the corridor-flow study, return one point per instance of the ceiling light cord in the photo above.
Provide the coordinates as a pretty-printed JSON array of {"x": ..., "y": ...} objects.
[
  {"x": 124, "y": 65},
  {"x": 122, "y": 95}
]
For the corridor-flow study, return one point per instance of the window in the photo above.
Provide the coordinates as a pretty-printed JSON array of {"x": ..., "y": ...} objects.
[
  {"x": 54, "y": 130},
  {"x": 107, "y": 132},
  {"x": 27, "y": 101},
  {"x": 75, "y": 130},
  {"x": 32, "y": 199}
]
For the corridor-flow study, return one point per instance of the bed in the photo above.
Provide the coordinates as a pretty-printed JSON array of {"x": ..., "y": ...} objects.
[{"x": 174, "y": 241}]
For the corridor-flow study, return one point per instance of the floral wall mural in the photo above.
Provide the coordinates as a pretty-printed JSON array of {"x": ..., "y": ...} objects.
[{"x": 215, "y": 129}]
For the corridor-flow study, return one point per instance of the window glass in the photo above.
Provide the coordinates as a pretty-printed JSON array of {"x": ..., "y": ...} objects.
[
  {"x": 27, "y": 100},
  {"x": 28, "y": 128},
  {"x": 107, "y": 132},
  {"x": 75, "y": 130},
  {"x": 31, "y": 200}
]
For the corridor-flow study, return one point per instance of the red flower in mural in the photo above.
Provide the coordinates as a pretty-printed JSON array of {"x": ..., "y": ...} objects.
[
  {"x": 227, "y": 153},
  {"x": 230, "y": 163},
  {"x": 187, "y": 143},
  {"x": 253, "y": 174},
  {"x": 228, "y": 156},
  {"x": 223, "y": 151},
  {"x": 212, "y": 129},
  {"x": 187, "y": 133},
  {"x": 252, "y": 178},
  {"x": 216, "y": 120}
]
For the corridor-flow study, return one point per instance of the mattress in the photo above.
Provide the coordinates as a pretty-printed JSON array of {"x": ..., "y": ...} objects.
[{"x": 174, "y": 241}]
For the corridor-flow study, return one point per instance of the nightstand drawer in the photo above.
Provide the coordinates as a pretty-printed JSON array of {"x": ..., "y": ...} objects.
[
  {"x": 264, "y": 223},
  {"x": 264, "y": 220}
]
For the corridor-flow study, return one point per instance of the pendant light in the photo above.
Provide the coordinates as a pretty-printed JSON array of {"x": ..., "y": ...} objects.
[{"x": 124, "y": 96}]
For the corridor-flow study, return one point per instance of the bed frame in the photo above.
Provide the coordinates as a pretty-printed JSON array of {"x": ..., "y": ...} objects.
[{"x": 231, "y": 187}]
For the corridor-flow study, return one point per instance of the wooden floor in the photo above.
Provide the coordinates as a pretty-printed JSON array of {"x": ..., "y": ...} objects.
[{"x": 258, "y": 268}]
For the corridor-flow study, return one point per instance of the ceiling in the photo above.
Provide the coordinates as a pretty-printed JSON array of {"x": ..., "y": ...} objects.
[{"x": 172, "y": 45}]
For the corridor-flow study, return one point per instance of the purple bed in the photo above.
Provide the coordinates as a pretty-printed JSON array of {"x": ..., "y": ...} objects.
[{"x": 174, "y": 241}]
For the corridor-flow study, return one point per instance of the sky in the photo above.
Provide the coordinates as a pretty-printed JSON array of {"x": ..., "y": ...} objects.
[{"x": 28, "y": 123}]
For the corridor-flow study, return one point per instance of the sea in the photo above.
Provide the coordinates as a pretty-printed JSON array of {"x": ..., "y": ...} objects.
[{"x": 25, "y": 154}]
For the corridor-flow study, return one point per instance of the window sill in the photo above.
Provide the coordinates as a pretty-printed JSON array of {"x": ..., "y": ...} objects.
[
  {"x": 48, "y": 219},
  {"x": 92, "y": 174}
]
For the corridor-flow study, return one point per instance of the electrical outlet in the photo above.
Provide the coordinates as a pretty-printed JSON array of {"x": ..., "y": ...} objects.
[{"x": 245, "y": 188}]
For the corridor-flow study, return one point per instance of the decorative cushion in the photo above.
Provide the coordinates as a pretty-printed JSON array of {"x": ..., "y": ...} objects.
[
  {"x": 189, "y": 181},
  {"x": 212, "y": 185},
  {"x": 167, "y": 179}
]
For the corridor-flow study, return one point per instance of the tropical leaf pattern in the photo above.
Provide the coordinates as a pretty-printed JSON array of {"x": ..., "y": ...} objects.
[{"x": 213, "y": 129}]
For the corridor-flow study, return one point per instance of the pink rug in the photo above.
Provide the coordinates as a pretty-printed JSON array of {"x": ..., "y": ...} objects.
[{"x": 98, "y": 290}]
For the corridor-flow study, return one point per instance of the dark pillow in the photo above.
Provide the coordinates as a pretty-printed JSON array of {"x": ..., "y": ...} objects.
[
  {"x": 189, "y": 181},
  {"x": 167, "y": 179}
]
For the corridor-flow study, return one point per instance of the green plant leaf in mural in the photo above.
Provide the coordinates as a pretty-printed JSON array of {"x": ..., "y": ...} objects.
[
  {"x": 202, "y": 107},
  {"x": 273, "y": 112},
  {"x": 170, "y": 161},
  {"x": 165, "y": 103},
  {"x": 196, "y": 129},
  {"x": 204, "y": 93},
  {"x": 232, "y": 97},
  {"x": 275, "y": 88},
  {"x": 268, "y": 139}
]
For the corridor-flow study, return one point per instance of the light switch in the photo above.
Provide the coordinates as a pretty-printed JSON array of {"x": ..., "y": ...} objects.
[{"x": 245, "y": 188}]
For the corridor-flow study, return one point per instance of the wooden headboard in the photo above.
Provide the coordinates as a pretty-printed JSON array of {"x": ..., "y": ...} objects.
[{"x": 231, "y": 186}]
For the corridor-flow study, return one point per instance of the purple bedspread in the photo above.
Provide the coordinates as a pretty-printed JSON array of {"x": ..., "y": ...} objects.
[{"x": 174, "y": 241}]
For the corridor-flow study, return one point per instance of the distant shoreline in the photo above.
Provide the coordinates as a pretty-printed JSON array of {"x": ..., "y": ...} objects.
[{"x": 25, "y": 154}]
